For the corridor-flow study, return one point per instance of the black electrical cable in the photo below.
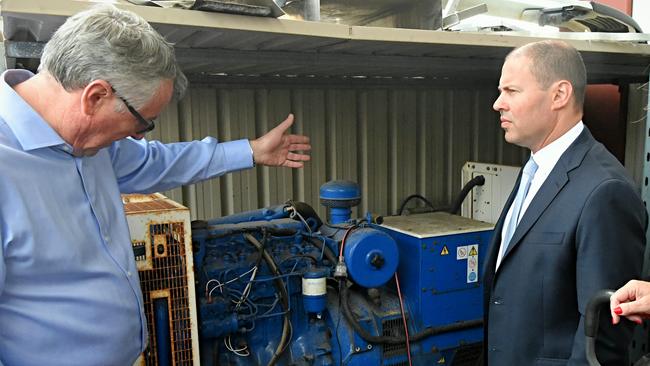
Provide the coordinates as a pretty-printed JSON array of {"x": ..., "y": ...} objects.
[
  {"x": 347, "y": 312},
  {"x": 268, "y": 229},
  {"x": 338, "y": 321},
  {"x": 284, "y": 295},
  {"x": 401, "y": 208},
  {"x": 479, "y": 180},
  {"x": 329, "y": 254},
  {"x": 296, "y": 256},
  {"x": 258, "y": 261}
]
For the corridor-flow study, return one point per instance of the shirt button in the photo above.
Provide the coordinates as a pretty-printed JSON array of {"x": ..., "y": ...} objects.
[
  {"x": 107, "y": 238},
  {"x": 128, "y": 273}
]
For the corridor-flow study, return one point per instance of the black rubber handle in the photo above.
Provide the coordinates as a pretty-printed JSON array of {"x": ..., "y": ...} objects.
[{"x": 593, "y": 311}]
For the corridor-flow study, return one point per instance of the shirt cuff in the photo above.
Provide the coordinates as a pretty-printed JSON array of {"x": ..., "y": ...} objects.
[
  {"x": 252, "y": 154},
  {"x": 238, "y": 154}
]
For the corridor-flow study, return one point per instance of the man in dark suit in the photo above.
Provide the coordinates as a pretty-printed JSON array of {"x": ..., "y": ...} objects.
[{"x": 574, "y": 223}]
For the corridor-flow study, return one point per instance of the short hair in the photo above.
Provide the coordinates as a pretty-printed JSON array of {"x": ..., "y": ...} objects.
[
  {"x": 553, "y": 60},
  {"x": 119, "y": 46}
]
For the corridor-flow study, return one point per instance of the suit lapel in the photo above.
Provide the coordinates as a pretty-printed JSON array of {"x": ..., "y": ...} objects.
[
  {"x": 557, "y": 179},
  {"x": 547, "y": 192}
]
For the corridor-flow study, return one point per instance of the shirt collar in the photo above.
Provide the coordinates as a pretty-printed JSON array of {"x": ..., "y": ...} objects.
[
  {"x": 30, "y": 129},
  {"x": 548, "y": 156}
]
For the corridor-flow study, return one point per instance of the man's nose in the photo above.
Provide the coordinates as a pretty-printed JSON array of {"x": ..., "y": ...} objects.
[{"x": 498, "y": 104}]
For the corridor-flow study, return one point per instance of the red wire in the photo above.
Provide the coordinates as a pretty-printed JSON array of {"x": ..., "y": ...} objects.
[
  {"x": 406, "y": 328},
  {"x": 345, "y": 237}
]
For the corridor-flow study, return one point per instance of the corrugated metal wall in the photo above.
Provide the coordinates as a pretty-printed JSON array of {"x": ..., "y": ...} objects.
[
  {"x": 635, "y": 139},
  {"x": 394, "y": 141}
]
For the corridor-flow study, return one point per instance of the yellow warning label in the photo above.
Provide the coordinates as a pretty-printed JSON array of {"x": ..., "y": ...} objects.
[
  {"x": 473, "y": 251},
  {"x": 441, "y": 360},
  {"x": 444, "y": 251}
]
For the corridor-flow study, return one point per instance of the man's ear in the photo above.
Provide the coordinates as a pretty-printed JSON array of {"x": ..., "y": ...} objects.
[
  {"x": 95, "y": 96},
  {"x": 562, "y": 94}
]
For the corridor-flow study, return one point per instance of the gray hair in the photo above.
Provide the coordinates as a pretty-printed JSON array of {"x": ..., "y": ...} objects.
[
  {"x": 118, "y": 46},
  {"x": 552, "y": 61}
]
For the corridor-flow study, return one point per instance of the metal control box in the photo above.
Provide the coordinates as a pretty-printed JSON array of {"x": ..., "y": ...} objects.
[{"x": 440, "y": 261}]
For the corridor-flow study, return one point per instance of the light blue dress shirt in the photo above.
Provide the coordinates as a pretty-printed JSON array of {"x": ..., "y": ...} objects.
[{"x": 69, "y": 288}]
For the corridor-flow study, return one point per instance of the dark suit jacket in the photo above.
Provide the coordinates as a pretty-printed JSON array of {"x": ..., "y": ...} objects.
[{"x": 583, "y": 231}]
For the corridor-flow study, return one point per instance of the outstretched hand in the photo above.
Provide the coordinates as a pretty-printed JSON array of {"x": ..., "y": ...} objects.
[
  {"x": 631, "y": 301},
  {"x": 277, "y": 148}
]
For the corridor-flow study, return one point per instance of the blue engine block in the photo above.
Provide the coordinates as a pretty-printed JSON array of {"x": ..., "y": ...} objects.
[{"x": 268, "y": 294}]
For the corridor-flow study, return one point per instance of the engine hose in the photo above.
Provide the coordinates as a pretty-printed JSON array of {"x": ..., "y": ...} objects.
[
  {"x": 284, "y": 295},
  {"x": 329, "y": 254},
  {"x": 347, "y": 312},
  {"x": 270, "y": 230},
  {"x": 479, "y": 180},
  {"x": 420, "y": 197}
]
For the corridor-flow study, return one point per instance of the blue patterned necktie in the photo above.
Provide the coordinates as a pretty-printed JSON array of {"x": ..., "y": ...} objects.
[{"x": 526, "y": 177}]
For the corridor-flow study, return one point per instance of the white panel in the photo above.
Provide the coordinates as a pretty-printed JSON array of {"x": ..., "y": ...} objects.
[{"x": 485, "y": 203}]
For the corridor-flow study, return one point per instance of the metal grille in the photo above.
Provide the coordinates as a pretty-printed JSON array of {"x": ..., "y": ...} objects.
[
  {"x": 168, "y": 280},
  {"x": 468, "y": 355},
  {"x": 393, "y": 328},
  {"x": 401, "y": 363}
]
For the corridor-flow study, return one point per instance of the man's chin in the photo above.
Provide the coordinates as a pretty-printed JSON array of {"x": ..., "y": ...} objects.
[{"x": 511, "y": 138}]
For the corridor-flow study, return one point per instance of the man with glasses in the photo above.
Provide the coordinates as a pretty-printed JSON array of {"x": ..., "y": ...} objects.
[
  {"x": 71, "y": 141},
  {"x": 147, "y": 124}
]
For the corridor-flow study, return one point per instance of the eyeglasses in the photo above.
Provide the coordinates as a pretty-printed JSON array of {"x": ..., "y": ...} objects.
[{"x": 148, "y": 124}]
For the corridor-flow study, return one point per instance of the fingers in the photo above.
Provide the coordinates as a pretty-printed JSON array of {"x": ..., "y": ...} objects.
[
  {"x": 623, "y": 294},
  {"x": 631, "y": 301},
  {"x": 627, "y": 310},
  {"x": 635, "y": 318},
  {"x": 299, "y": 147},
  {"x": 294, "y": 160},
  {"x": 639, "y": 307},
  {"x": 278, "y": 148},
  {"x": 286, "y": 124},
  {"x": 298, "y": 157},
  {"x": 292, "y": 164},
  {"x": 297, "y": 139},
  {"x": 614, "y": 308}
]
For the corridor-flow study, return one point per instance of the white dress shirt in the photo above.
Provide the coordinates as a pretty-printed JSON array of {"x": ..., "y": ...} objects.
[{"x": 546, "y": 158}]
